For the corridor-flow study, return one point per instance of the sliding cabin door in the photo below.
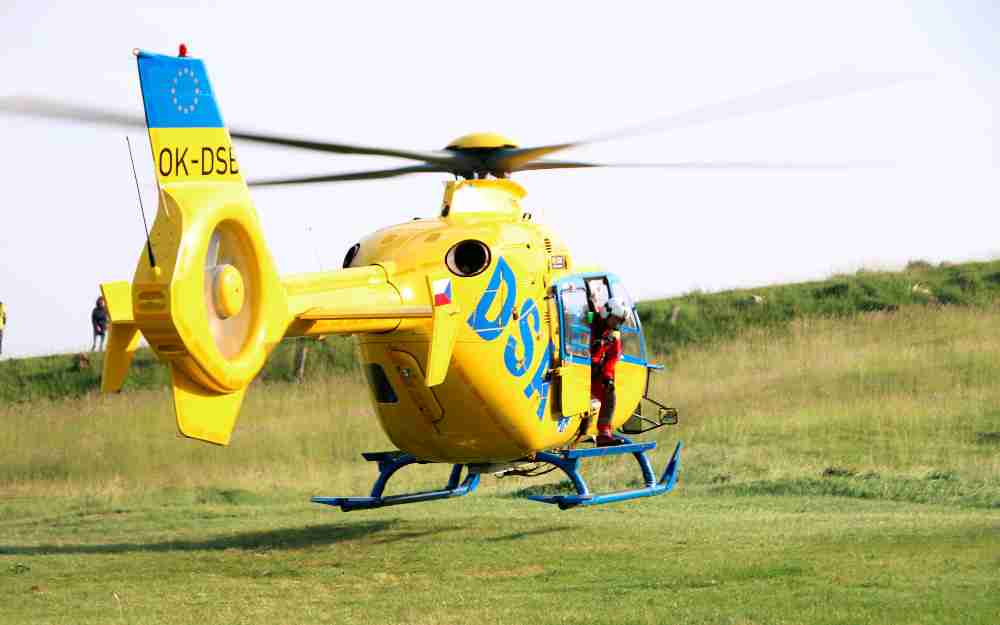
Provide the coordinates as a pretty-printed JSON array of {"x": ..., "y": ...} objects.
[{"x": 574, "y": 346}]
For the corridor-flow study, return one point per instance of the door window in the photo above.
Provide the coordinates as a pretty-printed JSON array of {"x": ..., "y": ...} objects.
[
  {"x": 597, "y": 288},
  {"x": 575, "y": 328}
]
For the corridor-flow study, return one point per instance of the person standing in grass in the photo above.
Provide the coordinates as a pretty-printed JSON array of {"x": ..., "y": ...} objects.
[
  {"x": 99, "y": 321},
  {"x": 3, "y": 324}
]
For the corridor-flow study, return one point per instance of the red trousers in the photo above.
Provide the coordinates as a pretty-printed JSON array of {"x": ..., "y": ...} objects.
[{"x": 606, "y": 396}]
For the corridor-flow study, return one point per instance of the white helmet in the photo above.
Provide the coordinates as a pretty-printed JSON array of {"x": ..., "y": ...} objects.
[{"x": 614, "y": 307}]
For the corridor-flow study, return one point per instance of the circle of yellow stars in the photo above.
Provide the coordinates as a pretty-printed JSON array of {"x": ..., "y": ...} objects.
[{"x": 185, "y": 74}]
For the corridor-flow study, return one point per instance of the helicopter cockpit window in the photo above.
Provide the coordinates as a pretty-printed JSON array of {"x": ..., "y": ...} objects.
[
  {"x": 631, "y": 331},
  {"x": 576, "y": 329}
]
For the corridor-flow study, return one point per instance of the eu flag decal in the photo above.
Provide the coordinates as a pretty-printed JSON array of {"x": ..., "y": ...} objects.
[{"x": 176, "y": 92}]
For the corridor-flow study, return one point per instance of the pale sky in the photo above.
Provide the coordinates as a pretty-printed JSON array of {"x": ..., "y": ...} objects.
[{"x": 416, "y": 75}]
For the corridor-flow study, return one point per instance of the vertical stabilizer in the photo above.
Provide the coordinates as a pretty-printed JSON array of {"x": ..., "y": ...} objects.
[
  {"x": 212, "y": 307},
  {"x": 189, "y": 140}
]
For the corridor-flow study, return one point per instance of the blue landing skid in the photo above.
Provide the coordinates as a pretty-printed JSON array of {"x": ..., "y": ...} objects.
[
  {"x": 569, "y": 461},
  {"x": 388, "y": 463}
]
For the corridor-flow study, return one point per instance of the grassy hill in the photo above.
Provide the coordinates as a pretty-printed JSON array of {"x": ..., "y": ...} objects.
[
  {"x": 853, "y": 384},
  {"x": 902, "y": 406},
  {"x": 693, "y": 319},
  {"x": 699, "y": 318},
  {"x": 63, "y": 375},
  {"x": 841, "y": 465}
]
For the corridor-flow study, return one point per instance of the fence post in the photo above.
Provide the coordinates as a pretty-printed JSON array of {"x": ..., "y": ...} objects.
[{"x": 301, "y": 351}]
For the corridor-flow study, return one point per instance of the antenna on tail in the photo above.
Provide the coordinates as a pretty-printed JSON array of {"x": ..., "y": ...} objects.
[{"x": 142, "y": 211}]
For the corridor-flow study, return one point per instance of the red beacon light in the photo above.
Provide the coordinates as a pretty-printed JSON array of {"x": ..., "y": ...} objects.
[{"x": 183, "y": 50}]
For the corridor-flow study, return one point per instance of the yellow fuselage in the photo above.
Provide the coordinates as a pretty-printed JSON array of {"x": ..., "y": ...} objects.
[
  {"x": 501, "y": 397},
  {"x": 461, "y": 343}
]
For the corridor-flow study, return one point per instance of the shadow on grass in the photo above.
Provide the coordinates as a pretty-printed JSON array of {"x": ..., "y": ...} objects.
[
  {"x": 411, "y": 535},
  {"x": 565, "y": 487},
  {"x": 526, "y": 534},
  {"x": 291, "y": 538}
]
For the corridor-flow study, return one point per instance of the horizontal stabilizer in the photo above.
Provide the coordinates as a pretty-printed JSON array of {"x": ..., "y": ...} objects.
[
  {"x": 124, "y": 338},
  {"x": 204, "y": 414}
]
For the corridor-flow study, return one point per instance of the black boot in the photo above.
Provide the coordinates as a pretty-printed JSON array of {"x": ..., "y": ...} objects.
[{"x": 607, "y": 440}]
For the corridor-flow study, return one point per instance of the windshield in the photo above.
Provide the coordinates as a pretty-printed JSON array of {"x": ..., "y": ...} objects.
[
  {"x": 631, "y": 330},
  {"x": 598, "y": 289},
  {"x": 579, "y": 299}
]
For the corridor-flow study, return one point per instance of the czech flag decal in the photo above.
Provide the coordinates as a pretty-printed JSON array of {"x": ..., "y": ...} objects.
[{"x": 442, "y": 291}]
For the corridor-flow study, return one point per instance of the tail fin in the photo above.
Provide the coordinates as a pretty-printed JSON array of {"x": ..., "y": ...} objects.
[
  {"x": 189, "y": 140},
  {"x": 212, "y": 307}
]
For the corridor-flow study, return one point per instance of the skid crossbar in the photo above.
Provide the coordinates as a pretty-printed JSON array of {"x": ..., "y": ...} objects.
[
  {"x": 388, "y": 463},
  {"x": 569, "y": 462}
]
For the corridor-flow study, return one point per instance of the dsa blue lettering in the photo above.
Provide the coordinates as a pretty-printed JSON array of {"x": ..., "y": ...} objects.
[
  {"x": 529, "y": 323},
  {"x": 540, "y": 382},
  {"x": 490, "y": 329},
  {"x": 528, "y": 311}
]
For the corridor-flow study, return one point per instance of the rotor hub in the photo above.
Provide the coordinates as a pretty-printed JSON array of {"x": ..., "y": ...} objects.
[
  {"x": 228, "y": 291},
  {"x": 482, "y": 141}
]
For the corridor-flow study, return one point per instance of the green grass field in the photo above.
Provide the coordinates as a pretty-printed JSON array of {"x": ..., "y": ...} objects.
[
  {"x": 697, "y": 557},
  {"x": 837, "y": 469}
]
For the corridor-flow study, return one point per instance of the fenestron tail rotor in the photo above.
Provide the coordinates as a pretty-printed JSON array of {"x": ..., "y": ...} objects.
[
  {"x": 229, "y": 289},
  {"x": 212, "y": 306}
]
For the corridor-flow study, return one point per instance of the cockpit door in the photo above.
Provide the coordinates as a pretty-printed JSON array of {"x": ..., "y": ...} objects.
[
  {"x": 574, "y": 346},
  {"x": 578, "y": 300}
]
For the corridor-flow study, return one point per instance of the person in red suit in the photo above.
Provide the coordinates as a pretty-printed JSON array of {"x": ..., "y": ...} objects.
[{"x": 605, "y": 352}]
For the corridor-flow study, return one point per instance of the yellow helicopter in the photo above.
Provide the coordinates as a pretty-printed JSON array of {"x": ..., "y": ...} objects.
[{"x": 474, "y": 325}]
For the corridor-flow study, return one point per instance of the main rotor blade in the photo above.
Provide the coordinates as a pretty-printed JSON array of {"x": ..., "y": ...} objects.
[
  {"x": 55, "y": 109},
  {"x": 440, "y": 157},
  {"x": 345, "y": 177},
  {"x": 815, "y": 89},
  {"x": 709, "y": 165}
]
